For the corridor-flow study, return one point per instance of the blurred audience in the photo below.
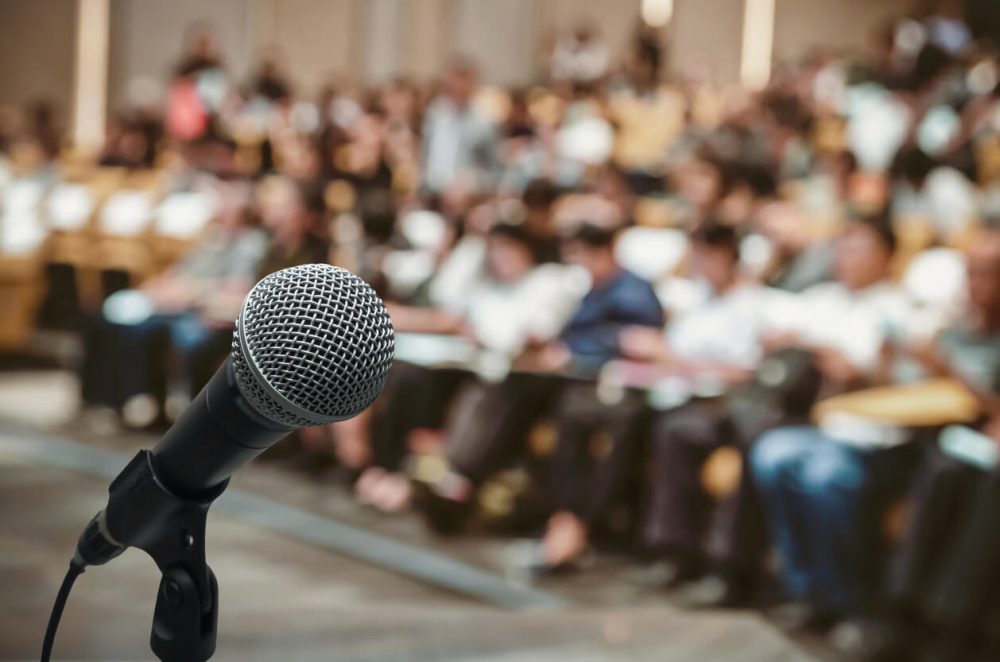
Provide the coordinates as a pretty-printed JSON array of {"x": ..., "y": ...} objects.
[
  {"x": 495, "y": 417},
  {"x": 639, "y": 290}
]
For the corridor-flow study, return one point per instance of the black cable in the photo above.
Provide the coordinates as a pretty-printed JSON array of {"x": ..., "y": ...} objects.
[{"x": 76, "y": 568}]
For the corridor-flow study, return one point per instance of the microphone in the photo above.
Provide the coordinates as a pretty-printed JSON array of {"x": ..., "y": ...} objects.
[{"x": 313, "y": 345}]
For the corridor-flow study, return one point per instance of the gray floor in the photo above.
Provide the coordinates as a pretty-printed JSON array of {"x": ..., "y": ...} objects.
[{"x": 286, "y": 595}]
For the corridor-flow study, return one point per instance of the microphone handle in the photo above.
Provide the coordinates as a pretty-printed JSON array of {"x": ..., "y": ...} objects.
[{"x": 216, "y": 434}]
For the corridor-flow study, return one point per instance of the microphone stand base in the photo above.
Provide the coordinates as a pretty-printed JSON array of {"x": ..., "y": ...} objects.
[
  {"x": 142, "y": 513},
  {"x": 183, "y": 629}
]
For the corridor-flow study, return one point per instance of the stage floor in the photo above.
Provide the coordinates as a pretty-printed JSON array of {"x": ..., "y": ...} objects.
[{"x": 306, "y": 575}]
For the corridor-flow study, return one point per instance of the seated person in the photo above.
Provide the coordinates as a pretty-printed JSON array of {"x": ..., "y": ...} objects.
[
  {"x": 493, "y": 419},
  {"x": 504, "y": 304},
  {"x": 187, "y": 310},
  {"x": 717, "y": 337},
  {"x": 799, "y": 260},
  {"x": 722, "y": 338},
  {"x": 823, "y": 489},
  {"x": 293, "y": 214},
  {"x": 943, "y": 576}
]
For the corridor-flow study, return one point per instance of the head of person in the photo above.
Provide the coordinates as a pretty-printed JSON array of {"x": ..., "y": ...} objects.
[
  {"x": 289, "y": 211},
  {"x": 539, "y": 197},
  {"x": 200, "y": 49},
  {"x": 841, "y": 166},
  {"x": 202, "y": 43},
  {"x": 983, "y": 268},
  {"x": 509, "y": 252},
  {"x": 784, "y": 225},
  {"x": 271, "y": 62},
  {"x": 585, "y": 32},
  {"x": 715, "y": 254},
  {"x": 700, "y": 180},
  {"x": 398, "y": 99},
  {"x": 234, "y": 200},
  {"x": 592, "y": 247},
  {"x": 460, "y": 82},
  {"x": 864, "y": 251},
  {"x": 913, "y": 165}
]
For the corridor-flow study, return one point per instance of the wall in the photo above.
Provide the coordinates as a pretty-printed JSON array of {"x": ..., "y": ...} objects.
[
  {"x": 708, "y": 32},
  {"x": 501, "y": 37},
  {"x": 37, "y": 39},
  {"x": 615, "y": 20},
  {"x": 324, "y": 39},
  {"x": 147, "y": 39},
  {"x": 801, "y": 25},
  {"x": 379, "y": 39},
  {"x": 320, "y": 39}
]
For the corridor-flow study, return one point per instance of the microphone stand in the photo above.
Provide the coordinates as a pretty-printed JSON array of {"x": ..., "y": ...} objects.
[{"x": 142, "y": 513}]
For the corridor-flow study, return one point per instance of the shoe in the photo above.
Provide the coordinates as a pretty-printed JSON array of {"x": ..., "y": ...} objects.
[
  {"x": 848, "y": 638},
  {"x": 101, "y": 421},
  {"x": 805, "y": 618},
  {"x": 712, "y": 591},
  {"x": 140, "y": 411},
  {"x": 660, "y": 574},
  {"x": 526, "y": 558},
  {"x": 176, "y": 404},
  {"x": 879, "y": 642},
  {"x": 684, "y": 567},
  {"x": 443, "y": 515}
]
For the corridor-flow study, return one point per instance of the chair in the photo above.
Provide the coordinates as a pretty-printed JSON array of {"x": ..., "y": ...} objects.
[
  {"x": 22, "y": 234},
  {"x": 69, "y": 207},
  {"x": 934, "y": 282},
  {"x": 652, "y": 253},
  {"x": 339, "y": 196},
  {"x": 653, "y": 212},
  {"x": 424, "y": 230},
  {"x": 22, "y": 231},
  {"x": 493, "y": 102},
  {"x": 21, "y": 292},
  {"x": 121, "y": 226},
  {"x": 177, "y": 224},
  {"x": 914, "y": 235}
]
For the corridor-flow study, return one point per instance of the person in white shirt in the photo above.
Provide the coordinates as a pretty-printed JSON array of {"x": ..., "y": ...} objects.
[
  {"x": 815, "y": 486},
  {"x": 721, "y": 340},
  {"x": 509, "y": 301},
  {"x": 846, "y": 321}
]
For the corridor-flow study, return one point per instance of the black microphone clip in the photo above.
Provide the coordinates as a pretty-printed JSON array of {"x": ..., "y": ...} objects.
[{"x": 143, "y": 513}]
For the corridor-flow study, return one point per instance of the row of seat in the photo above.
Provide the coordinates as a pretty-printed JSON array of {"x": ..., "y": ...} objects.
[{"x": 106, "y": 219}]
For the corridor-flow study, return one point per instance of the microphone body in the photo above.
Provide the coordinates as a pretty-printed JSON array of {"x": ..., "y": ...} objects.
[{"x": 216, "y": 434}]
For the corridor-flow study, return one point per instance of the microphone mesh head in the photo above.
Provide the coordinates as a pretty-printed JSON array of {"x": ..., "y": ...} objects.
[{"x": 313, "y": 345}]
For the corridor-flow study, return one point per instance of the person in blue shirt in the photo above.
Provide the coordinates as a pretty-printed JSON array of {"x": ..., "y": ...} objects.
[
  {"x": 491, "y": 421},
  {"x": 617, "y": 299}
]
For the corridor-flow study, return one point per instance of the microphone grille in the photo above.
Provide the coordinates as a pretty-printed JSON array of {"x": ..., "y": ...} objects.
[{"x": 313, "y": 345}]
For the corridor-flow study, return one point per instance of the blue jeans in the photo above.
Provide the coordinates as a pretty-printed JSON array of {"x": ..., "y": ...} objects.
[{"x": 823, "y": 501}]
